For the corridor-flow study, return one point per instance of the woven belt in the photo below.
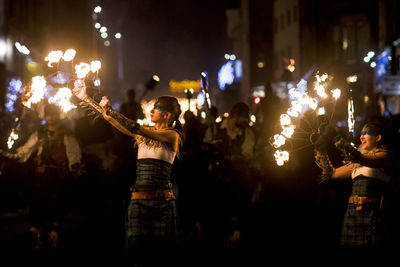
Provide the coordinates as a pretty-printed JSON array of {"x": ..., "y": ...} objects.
[
  {"x": 362, "y": 200},
  {"x": 160, "y": 194}
]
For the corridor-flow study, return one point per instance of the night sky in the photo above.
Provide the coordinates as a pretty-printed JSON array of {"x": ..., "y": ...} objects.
[{"x": 176, "y": 40}]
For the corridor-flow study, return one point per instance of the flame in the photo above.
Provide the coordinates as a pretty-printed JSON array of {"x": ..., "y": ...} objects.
[
  {"x": 285, "y": 119},
  {"x": 62, "y": 99},
  {"x": 11, "y": 139},
  {"x": 288, "y": 131},
  {"x": 301, "y": 102},
  {"x": 279, "y": 140},
  {"x": 37, "y": 91},
  {"x": 53, "y": 57},
  {"x": 82, "y": 70},
  {"x": 320, "y": 90},
  {"x": 69, "y": 54},
  {"x": 281, "y": 157},
  {"x": 350, "y": 118},
  {"x": 95, "y": 66},
  {"x": 336, "y": 93}
]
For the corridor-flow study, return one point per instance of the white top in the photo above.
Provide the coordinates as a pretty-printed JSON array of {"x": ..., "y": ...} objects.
[
  {"x": 371, "y": 172},
  {"x": 163, "y": 152}
]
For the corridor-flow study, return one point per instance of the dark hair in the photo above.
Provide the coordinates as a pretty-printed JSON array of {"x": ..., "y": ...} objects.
[
  {"x": 240, "y": 109},
  {"x": 377, "y": 128},
  {"x": 131, "y": 93},
  {"x": 52, "y": 109},
  {"x": 171, "y": 104}
]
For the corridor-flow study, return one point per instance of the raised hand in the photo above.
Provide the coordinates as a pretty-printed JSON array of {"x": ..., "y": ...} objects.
[
  {"x": 104, "y": 103},
  {"x": 350, "y": 152},
  {"x": 79, "y": 89}
]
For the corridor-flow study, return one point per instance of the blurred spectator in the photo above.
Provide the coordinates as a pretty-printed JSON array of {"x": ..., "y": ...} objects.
[
  {"x": 57, "y": 157},
  {"x": 131, "y": 108},
  {"x": 234, "y": 146}
]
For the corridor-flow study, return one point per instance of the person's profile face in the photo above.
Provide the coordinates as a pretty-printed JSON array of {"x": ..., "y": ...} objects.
[{"x": 369, "y": 138}]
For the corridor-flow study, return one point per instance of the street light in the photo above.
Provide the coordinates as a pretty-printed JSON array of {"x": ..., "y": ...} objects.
[{"x": 97, "y": 9}]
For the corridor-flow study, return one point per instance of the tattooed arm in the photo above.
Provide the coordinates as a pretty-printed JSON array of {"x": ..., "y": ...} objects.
[
  {"x": 119, "y": 121},
  {"x": 132, "y": 128}
]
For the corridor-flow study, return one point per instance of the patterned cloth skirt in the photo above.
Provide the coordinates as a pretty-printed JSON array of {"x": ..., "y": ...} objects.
[
  {"x": 152, "y": 217},
  {"x": 363, "y": 226}
]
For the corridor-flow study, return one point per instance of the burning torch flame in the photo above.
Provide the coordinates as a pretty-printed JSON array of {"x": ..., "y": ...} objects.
[
  {"x": 62, "y": 99},
  {"x": 350, "y": 112},
  {"x": 82, "y": 70},
  {"x": 281, "y": 157},
  {"x": 285, "y": 119},
  {"x": 95, "y": 66},
  {"x": 336, "y": 93},
  {"x": 53, "y": 57},
  {"x": 279, "y": 140},
  {"x": 38, "y": 90},
  {"x": 300, "y": 103},
  {"x": 69, "y": 54}
]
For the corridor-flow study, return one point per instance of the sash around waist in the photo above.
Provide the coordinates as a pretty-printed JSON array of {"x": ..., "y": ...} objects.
[{"x": 153, "y": 172}]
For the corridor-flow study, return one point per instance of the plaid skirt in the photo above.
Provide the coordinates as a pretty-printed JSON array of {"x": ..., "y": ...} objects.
[
  {"x": 364, "y": 227},
  {"x": 152, "y": 217}
]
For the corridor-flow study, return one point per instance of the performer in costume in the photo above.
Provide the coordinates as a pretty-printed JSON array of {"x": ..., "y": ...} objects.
[
  {"x": 363, "y": 230},
  {"x": 57, "y": 158},
  {"x": 151, "y": 220}
]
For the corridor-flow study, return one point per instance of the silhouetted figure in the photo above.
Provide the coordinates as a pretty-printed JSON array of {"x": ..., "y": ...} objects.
[
  {"x": 233, "y": 144},
  {"x": 131, "y": 108}
]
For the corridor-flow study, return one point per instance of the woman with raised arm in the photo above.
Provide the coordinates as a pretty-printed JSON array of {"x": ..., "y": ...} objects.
[
  {"x": 369, "y": 167},
  {"x": 151, "y": 221}
]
